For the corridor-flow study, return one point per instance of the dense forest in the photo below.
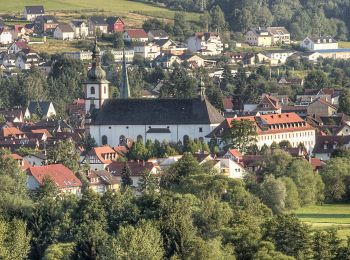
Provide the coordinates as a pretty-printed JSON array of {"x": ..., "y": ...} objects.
[
  {"x": 300, "y": 17},
  {"x": 194, "y": 214}
]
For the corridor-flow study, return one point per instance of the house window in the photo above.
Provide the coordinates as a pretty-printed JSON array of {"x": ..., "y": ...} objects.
[
  {"x": 201, "y": 129},
  {"x": 104, "y": 89},
  {"x": 104, "y": 140},
  {"x": 92, "y": 90}
]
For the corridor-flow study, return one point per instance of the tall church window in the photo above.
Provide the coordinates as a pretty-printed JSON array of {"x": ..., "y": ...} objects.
[
  {"x": 104, "y": 140},
  {"x": 186, "y": 140},
  {"x": 92, "y": 90},
  {"x": 122, "y": 139},
  {"x": 140, "y": 138}
]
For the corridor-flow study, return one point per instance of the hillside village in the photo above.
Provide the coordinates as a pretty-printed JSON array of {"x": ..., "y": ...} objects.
[{"x": 132, "y": 104}]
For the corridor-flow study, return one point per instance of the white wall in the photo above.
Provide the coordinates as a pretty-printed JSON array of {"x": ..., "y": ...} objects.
[{"x": 177, "y": 132}]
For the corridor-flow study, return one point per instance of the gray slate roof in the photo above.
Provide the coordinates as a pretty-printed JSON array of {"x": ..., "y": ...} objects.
[
  {"x": 35, "y": 9},
  {"x": 43, "y": 105},
  {"x": 156, "y": 112}
]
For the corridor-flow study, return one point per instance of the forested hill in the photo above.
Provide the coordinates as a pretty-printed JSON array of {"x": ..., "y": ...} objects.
[{"x": 301, "y": 17}]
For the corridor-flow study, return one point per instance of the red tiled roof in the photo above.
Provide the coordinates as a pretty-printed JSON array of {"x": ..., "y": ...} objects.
[
  {"x": 316, "y": 163},
  {"x": 22, "y": 45},
  {"x": 59, "y": 174},
  {"x": 41, "y": 131},
  {"x": 11, "y": 131},
  {"x": 136, "y": 168},
  {"x": 235, "y": 153},
  {"x": 99, "y": 151},
  {"x": 137, "y": 33}
]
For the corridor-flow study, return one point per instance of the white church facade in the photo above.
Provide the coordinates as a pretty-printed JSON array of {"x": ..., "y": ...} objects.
[{"x": 112, "y": 121}]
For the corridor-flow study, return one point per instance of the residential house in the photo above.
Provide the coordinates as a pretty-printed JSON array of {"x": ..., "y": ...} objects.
[
  {"x": 5, "y": 36},
  {"x": 97, "y": 24},
  {"x": 209, "y": 43},
  {"x": 329, "y": 94},
  {"x": 291, "y": 81},
  {"x": 171, "y": 47},
  {"x": 18, "y": 46},
  {"x": 45, "y": 24},
  {"x": 147, "y": 50},
  {"x": 228, "y": 104},
  {"x": 337, "y": 54},
  {"x": 166, "y": 60},
  {"x": 115, "y": 24},
  {"x": 99, "y": 157},
  {"x": 26, "y": 61},
  {"x": 14, "y": 115},
  {"x": 32, "y": 12},
  {"x": 232, "y": 168},
  {"x": 102, "y": 181},
  {"x": 321, "y": 107},
  {"x": 40, "y": 108},
  {"x": 267, "y": 105},
  {"x": 273, "y": 128},
  {"x": 11, "y": 132},
  {"x": 258, "y": 37},
  {"x": 299, "y": 110},
  {"x": 8, "y": 60},
  {"x": 319, "y": 43},
  {"x": 78, "y": 55},
  {"x": 118, "y": 55},
  {"x": 280, "y": 35},
  {"x": 193, "y": 61},
  {"x": 64, "y": 31},
  {"x": 156, "y": 35},
  {"x": 80, "y": 28},
  {"x": 326, "y": 145},
  {"x": 135, "y": 35},
  {"x": 19, "y": 32},
  {"x": 21, "y": 161},
  {"x": 60, "y": 175},
  {"x": 137, "y": 170},
  {"x": 37, "y": 159},
  {"x": 278, "y": 57},
  {"x": 336, "y": 124}
]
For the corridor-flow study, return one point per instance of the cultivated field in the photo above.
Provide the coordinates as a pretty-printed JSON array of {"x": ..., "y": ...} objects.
[{"x": 327, "y": 216}]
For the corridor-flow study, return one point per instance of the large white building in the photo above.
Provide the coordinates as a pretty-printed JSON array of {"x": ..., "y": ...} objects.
[
  {"x": 5, "y": 36},
  {"x": 275, "y": 128},
  {"x": 319, "y": 43},
  {"x": 208, "y": 43},
  {"x": 148, "y": 50},
  {"x": 114, "y": 120}
]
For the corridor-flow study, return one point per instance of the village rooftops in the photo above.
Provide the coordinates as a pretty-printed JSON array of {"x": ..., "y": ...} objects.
[
  {"x": 65, "y": 27},
  {"x": 137, "y": 33},
  {"x": 137, "y": 168},
  {"x": 58, "y": 173}
]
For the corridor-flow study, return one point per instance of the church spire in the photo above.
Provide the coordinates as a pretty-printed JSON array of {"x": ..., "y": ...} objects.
[
  {"x": 125, "y": 89},
  {"x": 96, "y": 72}
]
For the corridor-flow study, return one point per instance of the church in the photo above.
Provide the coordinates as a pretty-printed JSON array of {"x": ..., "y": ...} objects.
[{"x": 112, "y": 121}]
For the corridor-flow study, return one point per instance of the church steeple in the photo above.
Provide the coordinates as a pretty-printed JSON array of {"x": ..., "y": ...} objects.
[
  {"x": 96, "y": 73},
  {"x": 125, "y": 88}
]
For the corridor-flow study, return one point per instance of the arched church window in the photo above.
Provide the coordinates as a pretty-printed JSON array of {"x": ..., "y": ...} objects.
[
  {"x": 105, "y": 90},
  {"x": 186, "y": 140},
  {"x": 122, "y": 139},
  {"x": 104, "y": 140},
  {"x": 139, "y": 138},
  {"x": 92, "y": 90}
]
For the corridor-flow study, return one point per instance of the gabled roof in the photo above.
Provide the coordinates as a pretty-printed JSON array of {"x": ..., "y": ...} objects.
[
  {"x": 103, "y": 177},
  {"x": 136, "y": 33},
  {"x": 42, "y": 105},
  {"x": 235, "y": 153},
  {"x": 99, "y": 152},
  {"x": 77, "y": 23},
  {"x": 137, "y": 168},
  {"x": 324, "y": 102},
  {"x": 10, "y": 131},
  {"x": 58, "y": 173},
  {"x": 46, "y": 19},
  {"x": 326, "y": 38},
  {"x": 65, "y": 28},
  {"x": 159, "y": 33},
  {"x": 35, "y": 9},
  {"x": 327, "y": 144},
  {"x": 98, "y": 20},
  {"x": 113, "y": 19},
  {"x": 157, "y": 112}
]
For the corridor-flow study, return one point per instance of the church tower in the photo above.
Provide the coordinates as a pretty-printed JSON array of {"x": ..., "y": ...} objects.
[
  {"x": 125, "y": 88},
  {"x": 96, "y": 87}
]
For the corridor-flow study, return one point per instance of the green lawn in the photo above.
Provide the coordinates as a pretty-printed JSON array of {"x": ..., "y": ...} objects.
[
  {"x": 107, "y": 5},
  {"x": 327, "y": 216},
  {"x": 344, "y": 44}
]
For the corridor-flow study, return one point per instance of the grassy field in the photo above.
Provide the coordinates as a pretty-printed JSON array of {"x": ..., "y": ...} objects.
[
  {"x": 327, "y": 216},
  {"x": 344, "y": 44},
  {"x": 118, "y": 6}
]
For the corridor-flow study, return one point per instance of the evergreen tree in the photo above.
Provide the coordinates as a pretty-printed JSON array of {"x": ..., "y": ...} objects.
[{"x": 126, "y": 176}]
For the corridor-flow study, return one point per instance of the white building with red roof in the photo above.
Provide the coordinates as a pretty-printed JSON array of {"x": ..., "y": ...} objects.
[
  {"x": 135, "y": 35},
  {"x": 274, "y": 128},
  {"x": 99, "y": 157},
  {"x": 64, "y": 178}
]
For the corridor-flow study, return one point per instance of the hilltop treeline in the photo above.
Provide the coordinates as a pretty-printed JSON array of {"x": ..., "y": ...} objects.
[{"x": 300, "y": 17}]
